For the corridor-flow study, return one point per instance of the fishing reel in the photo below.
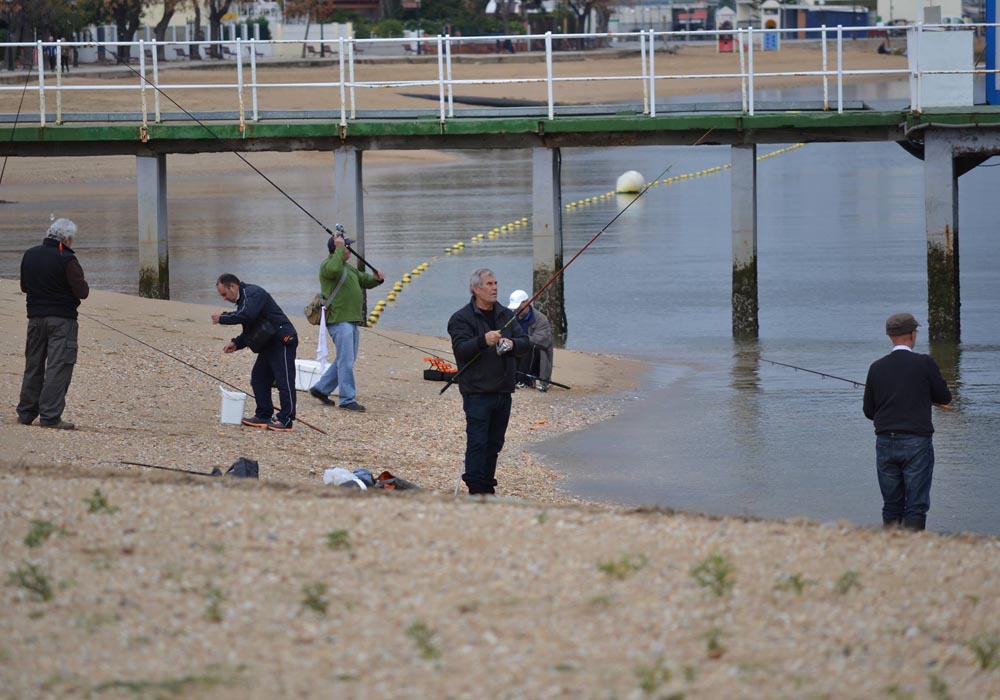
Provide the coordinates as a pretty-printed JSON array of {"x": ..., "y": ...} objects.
[{"x": 504, "y": 345}]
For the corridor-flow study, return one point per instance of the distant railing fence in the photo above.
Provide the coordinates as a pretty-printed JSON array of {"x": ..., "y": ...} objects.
[{"x": 244, "y": 55}]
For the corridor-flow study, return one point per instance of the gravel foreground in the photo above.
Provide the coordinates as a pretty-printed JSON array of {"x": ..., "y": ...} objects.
[{"x": 125, "y": 582}]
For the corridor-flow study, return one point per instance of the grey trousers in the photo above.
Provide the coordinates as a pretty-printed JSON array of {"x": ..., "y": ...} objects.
[{"x": 49, "y": 356}]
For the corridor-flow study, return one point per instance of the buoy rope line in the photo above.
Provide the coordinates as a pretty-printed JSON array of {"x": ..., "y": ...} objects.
[{"x": 498, "y": 232}]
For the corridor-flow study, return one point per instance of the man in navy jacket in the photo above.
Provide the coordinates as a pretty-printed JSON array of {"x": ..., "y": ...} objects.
[
  {"x": 267, "y": 332},
  {"x": 486, "y": 342},
  {"x": 899, "y": 391}
]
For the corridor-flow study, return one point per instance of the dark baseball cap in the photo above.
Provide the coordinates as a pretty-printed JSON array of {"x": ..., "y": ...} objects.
[
  {"x": 900, "y": 324},
  {"x": 331, "y": 246}
]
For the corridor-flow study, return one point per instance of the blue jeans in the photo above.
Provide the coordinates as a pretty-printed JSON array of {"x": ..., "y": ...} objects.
[
  {"x": 905, "y": 465},
  {"x": 486, "y": 418},
  {"x": 345, "y": 338}
]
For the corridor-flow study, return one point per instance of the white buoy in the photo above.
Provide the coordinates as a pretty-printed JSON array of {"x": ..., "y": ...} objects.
[{"x": 631, "y": 181}]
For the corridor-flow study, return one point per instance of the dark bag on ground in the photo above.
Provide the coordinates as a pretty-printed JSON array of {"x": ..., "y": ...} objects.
[
  {"x": 244, "y": 468},
  {"x": 261, "y": 334}
]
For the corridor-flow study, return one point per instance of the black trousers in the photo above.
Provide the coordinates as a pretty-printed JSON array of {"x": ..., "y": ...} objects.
[
  {"x": 275, "y": 365},
  {"x": 49, "y": 358},
  {"x": 486, "y": 418}
]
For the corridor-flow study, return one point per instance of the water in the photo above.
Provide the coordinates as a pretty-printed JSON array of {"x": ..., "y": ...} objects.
[{"x": 714, "y": 428}]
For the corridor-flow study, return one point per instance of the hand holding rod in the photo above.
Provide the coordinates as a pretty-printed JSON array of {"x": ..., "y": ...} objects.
[{"x": 340, "y": 231}]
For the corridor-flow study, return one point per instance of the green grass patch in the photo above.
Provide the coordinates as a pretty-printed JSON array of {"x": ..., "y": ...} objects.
[
  {"x": 423, "y": 637},
  {"x": 338, "y": 539},
  {"x": 314, "y": 597},
  {"x": 985, "y": 647},
  {"x": 848, "y": 581},
  {"x": 623, "y": 568},
  {"x": 97, "y": 503},
  {"x": 715, "y": 573},
  {"x": 32, "y": 579},
  {"x": 40, "y": 531}
]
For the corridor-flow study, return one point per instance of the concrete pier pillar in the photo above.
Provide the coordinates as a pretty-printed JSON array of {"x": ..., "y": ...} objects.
[
  {"x": 547, "y": 238},
  {"x": 348, "y": 195},
  {"x": 154, "y": 257},
  {"x": 941, "y": 216},
  {"x": 744, "y": 229}
]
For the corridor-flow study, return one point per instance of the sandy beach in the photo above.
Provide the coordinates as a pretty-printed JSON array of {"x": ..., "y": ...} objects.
[{"x": 127, "y": 582}]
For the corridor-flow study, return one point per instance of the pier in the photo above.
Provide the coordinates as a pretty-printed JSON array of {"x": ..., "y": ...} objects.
[{"x": 949, "y": 139}]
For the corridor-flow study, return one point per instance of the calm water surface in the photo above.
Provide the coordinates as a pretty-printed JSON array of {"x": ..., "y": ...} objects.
[{"x": 714, "y": 427}]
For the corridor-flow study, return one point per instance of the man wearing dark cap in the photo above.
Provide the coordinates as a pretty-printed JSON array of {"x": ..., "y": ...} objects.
[
  {"x": 341, "y": 285},
  {"x": 53, "y": 283},
  {"x": 899, "y": 391}
]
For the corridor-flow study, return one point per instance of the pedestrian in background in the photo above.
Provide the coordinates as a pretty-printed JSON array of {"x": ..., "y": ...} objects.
[
  {"x": 341, "y": 285},
  {"x": 53, "y": 283},
  {"x": 899, "y": 391},
  {"x": 487, "y": 342},
  {"x": 537, "y": 362},
  {"x": 267, "y": 332}
]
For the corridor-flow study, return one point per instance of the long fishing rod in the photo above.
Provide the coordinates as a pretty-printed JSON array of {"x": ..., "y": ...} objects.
[
  {"x": 187, "y": 364},
  {"x": 216, "y": 472},
  {"x": 533, "y": 378},
  {"x": 559, "y": 272},
  {"x": 17, "y": 117},
  {"x": 339, "y": 228},
  {"x": 857, "y": 385}
]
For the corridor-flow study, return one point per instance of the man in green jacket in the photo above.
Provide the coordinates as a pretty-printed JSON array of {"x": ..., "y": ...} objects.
[{"x": 341, "y": 285}]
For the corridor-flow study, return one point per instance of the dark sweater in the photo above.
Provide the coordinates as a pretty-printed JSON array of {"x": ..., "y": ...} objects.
[
  {"x": 253, "y": 305},
  {"x": 52, "y": 280},
  {"x": 899, "y": 391}
]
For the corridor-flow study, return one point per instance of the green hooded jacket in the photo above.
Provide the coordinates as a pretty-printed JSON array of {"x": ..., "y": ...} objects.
[{"x": 346, "y": 306}]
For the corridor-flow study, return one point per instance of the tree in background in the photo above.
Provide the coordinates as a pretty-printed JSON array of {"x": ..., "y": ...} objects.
[
  {"x": 125, "y": 15},
  {"x": 217, "y": 9},
  {"x": 170, "y": 8}
]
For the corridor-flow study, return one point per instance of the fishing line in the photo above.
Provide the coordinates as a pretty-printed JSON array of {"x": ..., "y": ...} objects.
[
  {"x": 426, "y": 351},
  {"x": 452, "y": 380},
  {"x": 16, "y": 117},
  {"x": 238, "y": 155},
  {"x": 187, "y": 364}
]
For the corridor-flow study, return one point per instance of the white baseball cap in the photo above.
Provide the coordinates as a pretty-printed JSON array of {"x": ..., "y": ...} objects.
[{"x": 517, "y": 297}]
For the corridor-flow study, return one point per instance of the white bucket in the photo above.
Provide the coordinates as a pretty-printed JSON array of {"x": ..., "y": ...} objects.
[
  {"x": 233, "y": 403},
  {"x": 307, "y": 373}
]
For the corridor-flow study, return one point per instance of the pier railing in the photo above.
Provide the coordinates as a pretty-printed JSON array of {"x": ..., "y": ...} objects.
[{"x": 349, "y": 58}]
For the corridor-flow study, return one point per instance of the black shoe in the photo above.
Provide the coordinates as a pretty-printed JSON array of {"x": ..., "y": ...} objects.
[
  {"x": 25, "y": 420},
  {"x": 317, "y": 394},
  {"x": 59, "y": 425},
  {"x": 353, "y": 406},
  {"x": 280, "y": 426},
  {"x": 256, "y": 422}
]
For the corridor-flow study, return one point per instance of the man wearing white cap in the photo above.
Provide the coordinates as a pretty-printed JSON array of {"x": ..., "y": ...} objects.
[
  {"x": 53, "y": 283},
  {"x": 538, "y": 361}
]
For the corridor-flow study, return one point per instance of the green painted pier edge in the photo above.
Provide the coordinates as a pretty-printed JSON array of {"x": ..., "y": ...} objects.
[{"x": 950, "y": 141}]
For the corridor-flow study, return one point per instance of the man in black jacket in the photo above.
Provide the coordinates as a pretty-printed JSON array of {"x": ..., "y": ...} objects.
[
  {"x": 486, "y": 343},
  {"x": 899, "y": 391},
  {"x": 53, "y": 281},
  {"x": 267, "y": 332}
]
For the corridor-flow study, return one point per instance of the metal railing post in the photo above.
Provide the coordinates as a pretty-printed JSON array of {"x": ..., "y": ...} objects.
[
  {"x": 916, "y": 99},
  {"x": 350, "y": 73},
  {"x": 652, "y": 73},
  {"x": 548, "y": 75},
  {"x": 343, "y": 101},
  {"x": 750, "y": 71},
  {"x": 840, "y": 69},
  {"x": 156, "y": 81},
  {"x": 59, "y": 81},
  {"x": 645, "y": 85},
  {"x": 239, "y": 84},
  {"x": 743, "y": 68},
  {"x": 40, "y": 57},
  {"x": 447, "y": 60},
  {"x": 142, "y": 84},
  {"x": 826, "y": 78},
  {"x": 441, "y": 100},
  {"x": 253, "y": 80}
]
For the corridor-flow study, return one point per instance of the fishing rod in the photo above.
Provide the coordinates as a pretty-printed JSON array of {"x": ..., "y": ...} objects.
[
  {"x": 214, "y": 472},
  {"x": 539, "y": 379},
  {"x": 452, "y": 380},
  {"x": 426, "y": 351},
  {"x": 339, "y": 228},
  {"x": 857, "y": 385},
  {"x": 187, "y": 364},
  {"x": 17, "y": 117}
]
